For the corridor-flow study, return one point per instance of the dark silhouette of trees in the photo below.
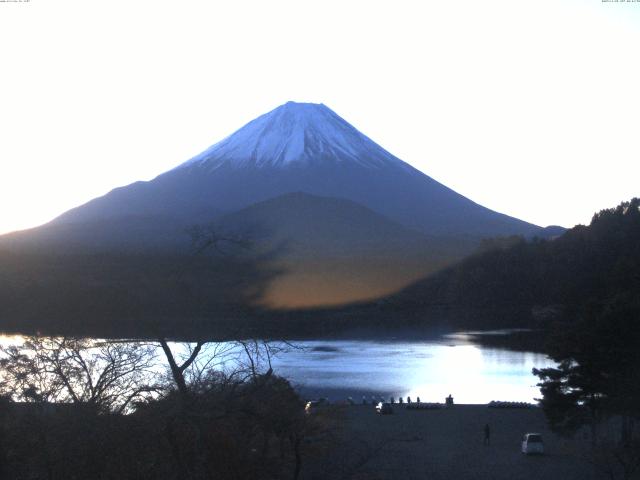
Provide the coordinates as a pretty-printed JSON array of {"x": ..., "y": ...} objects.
[
  {"x": 178, "y": 371},
  {"x": 595, "y": 339},
  {"x": 134, "y": 295},
  {"x": 62, "y": 422},
  {"x": 597, "y": 382},
  {"x": 515, "y": 283},
  {"x": 106, "y": 375}
]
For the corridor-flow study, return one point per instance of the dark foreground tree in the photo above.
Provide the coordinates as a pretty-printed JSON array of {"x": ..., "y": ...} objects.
[
  {"x": 107, "y": 375},
  {"x": 597, "y": 382},
  {"x": 596, "y": 341},
  {"x": 237, "y": 422}
]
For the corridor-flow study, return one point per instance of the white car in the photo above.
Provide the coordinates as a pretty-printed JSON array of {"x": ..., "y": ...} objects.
[{"x": 532, "y": 444}]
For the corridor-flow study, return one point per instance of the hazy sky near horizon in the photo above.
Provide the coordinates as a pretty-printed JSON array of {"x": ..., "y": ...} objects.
[{"x": 531, "y": 108}]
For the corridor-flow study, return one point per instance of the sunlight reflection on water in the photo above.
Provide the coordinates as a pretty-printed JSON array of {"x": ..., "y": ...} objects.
[{"x": 430, "y": 369}]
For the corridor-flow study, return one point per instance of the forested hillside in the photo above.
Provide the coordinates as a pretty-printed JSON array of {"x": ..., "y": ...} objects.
[
  {"x": 514, "y": 282},
  {"x": 510, "y": 282}
]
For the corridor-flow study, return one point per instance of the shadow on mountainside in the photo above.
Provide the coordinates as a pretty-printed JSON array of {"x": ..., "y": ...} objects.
[
  {"x": 512, "y": 283},
  {"x": 133, "y": 295},
  {"x": 214, "y": 295}
]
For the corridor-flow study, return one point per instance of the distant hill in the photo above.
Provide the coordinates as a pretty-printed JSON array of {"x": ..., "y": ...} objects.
[
  {"x": 321, "y": 226},
  {"x": 331, "y": 250},
  {"x": 128, "y": 295},
  {"x": 511, "y": 282},
  {"x": 521, "y": 283},
  {"x": 125, "y": 233}
]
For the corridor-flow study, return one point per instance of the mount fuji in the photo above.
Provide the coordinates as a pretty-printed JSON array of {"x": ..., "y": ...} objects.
[
  {"x": 297, "y": 147},
  {"x": 351, "y": 220}
]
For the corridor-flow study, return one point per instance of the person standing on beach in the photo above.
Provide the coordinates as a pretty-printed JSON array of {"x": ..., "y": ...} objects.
[{"x": 487, "y": 434}]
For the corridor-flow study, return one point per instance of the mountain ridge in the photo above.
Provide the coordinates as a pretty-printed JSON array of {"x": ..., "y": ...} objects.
[
  {"x": 330, "y": 251},
  {"x": 235, "y": 173},
  {"x": 363, "y": 223},
  {"x": 294, "y": 133}
]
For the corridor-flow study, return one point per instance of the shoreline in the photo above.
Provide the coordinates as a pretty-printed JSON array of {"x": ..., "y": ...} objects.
[{"x": 448, "y": 443}]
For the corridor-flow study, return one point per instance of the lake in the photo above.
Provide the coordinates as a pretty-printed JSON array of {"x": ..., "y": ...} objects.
[{"x": 430, "y": 369}]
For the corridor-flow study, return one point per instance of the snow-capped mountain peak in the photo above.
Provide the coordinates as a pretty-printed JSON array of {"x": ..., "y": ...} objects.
[
  {"x": 298, "y": 147},
  {"x": 295, "y": 133}
]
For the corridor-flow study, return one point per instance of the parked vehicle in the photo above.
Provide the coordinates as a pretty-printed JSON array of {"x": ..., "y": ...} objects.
[
  {"x": 532, "y": 444},
  {"x": 384, "y": 408},
  {"x": 312, "y": 405}
]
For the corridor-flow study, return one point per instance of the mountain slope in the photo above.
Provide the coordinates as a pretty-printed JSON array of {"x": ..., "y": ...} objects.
[
  {"x": 332, "y": 251},
  {"x": 320, "y": 226},
  {"x": 338, "y": 217},
  {"x": 308, "y": 148}
]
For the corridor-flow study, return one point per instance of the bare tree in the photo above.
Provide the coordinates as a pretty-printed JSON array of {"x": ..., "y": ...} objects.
[
  {"x": 234, "y": 361},
  {"x": 178, "y": 371},
  {"x": 203, "y": 239},
  {"x": 108, "y": 375},
  {"x": 255, "y": 356}
]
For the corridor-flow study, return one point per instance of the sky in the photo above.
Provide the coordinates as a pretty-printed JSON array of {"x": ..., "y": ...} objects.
[{"x": 530, "y": 108}]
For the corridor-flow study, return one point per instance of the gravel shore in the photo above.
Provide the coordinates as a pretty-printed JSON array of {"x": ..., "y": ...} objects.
[{"x": 448, "y": 444}]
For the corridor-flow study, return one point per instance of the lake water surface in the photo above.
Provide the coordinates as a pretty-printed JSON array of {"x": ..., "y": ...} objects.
[{"x": 429, "y": 369}]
